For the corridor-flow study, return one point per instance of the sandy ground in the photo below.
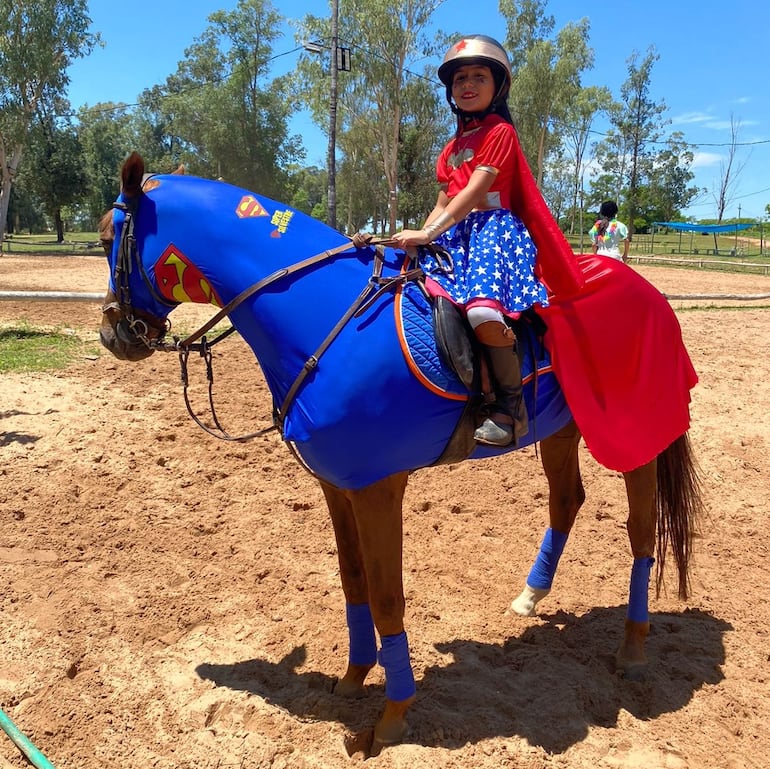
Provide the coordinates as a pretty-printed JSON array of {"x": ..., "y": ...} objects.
[{"x": 169, "y": 600}]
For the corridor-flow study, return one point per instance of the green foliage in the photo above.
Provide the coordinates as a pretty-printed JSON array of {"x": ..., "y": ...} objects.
[
  {"x": 547, "y": 73},
  {"x": 646, "y": 172},
  {"x": 219, "y": 113},
  {"x": 222, "y": 114},
  {"x": 42, "y": 38},
  {"x": 55, "y": 170},
  {"x": 382, "y": 103},
  {"x": 307, "y": 189},
  {"x": 106, "y": 132}
]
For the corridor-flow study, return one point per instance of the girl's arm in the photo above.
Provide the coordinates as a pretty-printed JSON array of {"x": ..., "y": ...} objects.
[{"x": 447, "y": 212}]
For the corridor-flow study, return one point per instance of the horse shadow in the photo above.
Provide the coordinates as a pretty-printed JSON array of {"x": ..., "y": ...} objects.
[
  {"x": 7, "y": 437},
  {"x": 549, "y": 685}
]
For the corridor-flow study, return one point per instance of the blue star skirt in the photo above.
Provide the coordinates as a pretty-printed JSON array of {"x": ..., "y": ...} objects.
[{"x": 494, "y": 258}]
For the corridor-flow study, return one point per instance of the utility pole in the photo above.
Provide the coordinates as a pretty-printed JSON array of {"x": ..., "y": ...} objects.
[{"x": 331, "y": 156}]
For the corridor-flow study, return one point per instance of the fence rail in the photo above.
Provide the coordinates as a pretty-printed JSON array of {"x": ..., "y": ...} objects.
[
  {"x": 702, "y": 263},
  {"x": 49, "y": 296}
]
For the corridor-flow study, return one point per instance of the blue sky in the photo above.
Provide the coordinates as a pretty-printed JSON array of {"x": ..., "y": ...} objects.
[{"x": 713, "y": 65}]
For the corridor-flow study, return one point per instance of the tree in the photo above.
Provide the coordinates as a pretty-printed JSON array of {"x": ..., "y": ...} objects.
[
  {"x": 729, "y": 169},
  {"x": 638, "y": 125},
  {"x": 578, "y": 119},
  {"x": 670, "y": 189},
  {"x": 373, "y": 94},
  {"x": 106, "y": 133},
  {"x": 219, "y": 113},
  {"x": 56, "y": 170},
  {"x": 307, "y": 188},
  {"x": 546, "y": 76},
  {"x": 40, "y": 40}
]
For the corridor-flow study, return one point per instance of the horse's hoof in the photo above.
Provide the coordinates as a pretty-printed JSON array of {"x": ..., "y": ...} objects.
[
  {"x": 348, "y": 689},
  {"x": 526, "y": 604},
  {"x": 390, "y": 733},
  {"x": 359, "y": 744},
  {"x": 636, "y": 672},
  {"x": 371, "y": 742}
]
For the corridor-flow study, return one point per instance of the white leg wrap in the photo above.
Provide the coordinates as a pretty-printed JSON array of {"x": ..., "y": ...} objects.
[{"x": 526, "y": 603}]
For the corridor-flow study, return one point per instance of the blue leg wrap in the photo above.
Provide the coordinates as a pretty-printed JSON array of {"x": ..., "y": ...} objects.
[
  {"x": 637, "y": 593},
  {"x": 544, "y": 568},
  {"x": 399, "y": 678},
  {"x": 363, "y": 644}
]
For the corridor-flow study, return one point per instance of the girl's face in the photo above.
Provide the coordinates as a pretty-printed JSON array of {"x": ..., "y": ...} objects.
[{"x": 473, "y": 87}]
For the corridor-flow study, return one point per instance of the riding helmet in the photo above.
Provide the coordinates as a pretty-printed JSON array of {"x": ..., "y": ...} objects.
[{"x": 477, "y": 49}]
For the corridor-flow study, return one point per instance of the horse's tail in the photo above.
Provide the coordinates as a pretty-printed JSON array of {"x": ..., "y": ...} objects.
[{"x": 679, "y": 506}]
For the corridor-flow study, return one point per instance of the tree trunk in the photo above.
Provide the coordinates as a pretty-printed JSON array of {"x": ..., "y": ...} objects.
[
  {"x": 59, "y": 226},
  {"x": 5, "y": 194},
  {"x": 8, "y": 175}
]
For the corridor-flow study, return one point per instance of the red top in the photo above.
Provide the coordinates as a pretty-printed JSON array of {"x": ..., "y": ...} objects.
[
  {"x": 496, "y": 144},
  {"x": 491, "y": 143}
]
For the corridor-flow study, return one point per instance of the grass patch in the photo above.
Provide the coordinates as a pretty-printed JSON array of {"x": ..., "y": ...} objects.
[
  {"x": 77, "y": 243},
  {"x": 23, "y": 348}
]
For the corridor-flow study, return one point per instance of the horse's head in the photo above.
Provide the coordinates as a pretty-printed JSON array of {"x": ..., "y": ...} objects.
[{"x": 127, "y": 331}]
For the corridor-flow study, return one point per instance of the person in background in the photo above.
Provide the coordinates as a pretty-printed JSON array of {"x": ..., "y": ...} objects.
[{"x": 608, "y": 233}]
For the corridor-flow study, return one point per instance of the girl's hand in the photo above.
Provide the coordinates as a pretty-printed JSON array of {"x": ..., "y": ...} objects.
[{"x": 411, "y": 238}]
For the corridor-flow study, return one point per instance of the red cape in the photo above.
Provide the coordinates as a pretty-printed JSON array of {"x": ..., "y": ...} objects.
[{"x": 617, "y": 352}]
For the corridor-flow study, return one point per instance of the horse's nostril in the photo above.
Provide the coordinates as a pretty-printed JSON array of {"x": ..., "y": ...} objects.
[{"x": 112, "y": 343}]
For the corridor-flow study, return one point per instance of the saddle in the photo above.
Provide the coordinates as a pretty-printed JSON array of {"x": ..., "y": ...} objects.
[{"x": 457, "y": 346}]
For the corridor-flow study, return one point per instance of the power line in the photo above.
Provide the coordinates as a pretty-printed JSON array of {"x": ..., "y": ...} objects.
[
  {"x": 181, "y": 92},
  {"x": 409, "y": 73}
]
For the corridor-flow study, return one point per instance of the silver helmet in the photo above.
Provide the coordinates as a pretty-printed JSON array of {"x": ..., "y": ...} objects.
[{"x": 478, "y": 49}]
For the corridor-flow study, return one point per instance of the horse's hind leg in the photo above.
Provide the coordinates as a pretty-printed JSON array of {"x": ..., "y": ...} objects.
[
  {"x": 641, "y": 487},
  {"x": 566, "y": 495}
]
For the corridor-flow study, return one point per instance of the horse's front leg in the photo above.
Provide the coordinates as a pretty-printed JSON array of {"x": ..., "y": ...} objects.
[
  {"x": 378, "y": 515},
  {"x": 566, "y": 495},
  {"x": 362, "y": 643},
  {"x": 641, "y": 487},
  {"x": 368, "y": 528}
]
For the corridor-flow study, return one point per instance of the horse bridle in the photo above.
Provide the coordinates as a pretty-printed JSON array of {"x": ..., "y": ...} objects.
[{"x": 134, "y": 328}]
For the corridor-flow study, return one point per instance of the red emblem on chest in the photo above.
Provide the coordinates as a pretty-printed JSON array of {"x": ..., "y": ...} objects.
[{"x": 179, "y": 280}]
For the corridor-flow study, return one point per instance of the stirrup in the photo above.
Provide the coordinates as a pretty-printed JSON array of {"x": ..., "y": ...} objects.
[{"x": 494, "y": 433}]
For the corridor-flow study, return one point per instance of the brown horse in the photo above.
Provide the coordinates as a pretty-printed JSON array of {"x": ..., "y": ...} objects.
[{"x": 663, "y": 494}]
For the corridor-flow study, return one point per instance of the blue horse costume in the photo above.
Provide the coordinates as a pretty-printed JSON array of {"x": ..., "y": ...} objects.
[{"x": 380, "y": 399}]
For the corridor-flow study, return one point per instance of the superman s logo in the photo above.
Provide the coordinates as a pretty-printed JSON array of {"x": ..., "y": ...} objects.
[{"x": 179, "y": 280}]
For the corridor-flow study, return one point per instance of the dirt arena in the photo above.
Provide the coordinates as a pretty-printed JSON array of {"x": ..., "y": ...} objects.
[{"x": 170, "y": 601}]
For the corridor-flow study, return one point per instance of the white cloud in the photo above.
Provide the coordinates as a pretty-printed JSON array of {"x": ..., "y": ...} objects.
[
  {"x": 691, "y": 117},
  {"x": 706, "y": 159}
]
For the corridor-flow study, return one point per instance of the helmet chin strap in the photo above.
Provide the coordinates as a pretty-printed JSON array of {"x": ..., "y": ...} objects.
[{"x": 463, "y": 117}]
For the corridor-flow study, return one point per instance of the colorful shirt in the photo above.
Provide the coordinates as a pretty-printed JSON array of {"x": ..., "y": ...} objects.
[{"x": 608, "y": 244}]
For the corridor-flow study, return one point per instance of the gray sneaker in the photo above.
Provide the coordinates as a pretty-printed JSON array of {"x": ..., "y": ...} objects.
[{"x": 493, "y": 433}]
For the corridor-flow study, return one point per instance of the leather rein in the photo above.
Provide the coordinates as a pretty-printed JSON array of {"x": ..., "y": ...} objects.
[{"x": 375, "y": 287}]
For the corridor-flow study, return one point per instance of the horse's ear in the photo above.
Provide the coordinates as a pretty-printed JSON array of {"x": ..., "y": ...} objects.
[
  {"x": 180, "y": 171},
  {"x": 131, "y": 174}
]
